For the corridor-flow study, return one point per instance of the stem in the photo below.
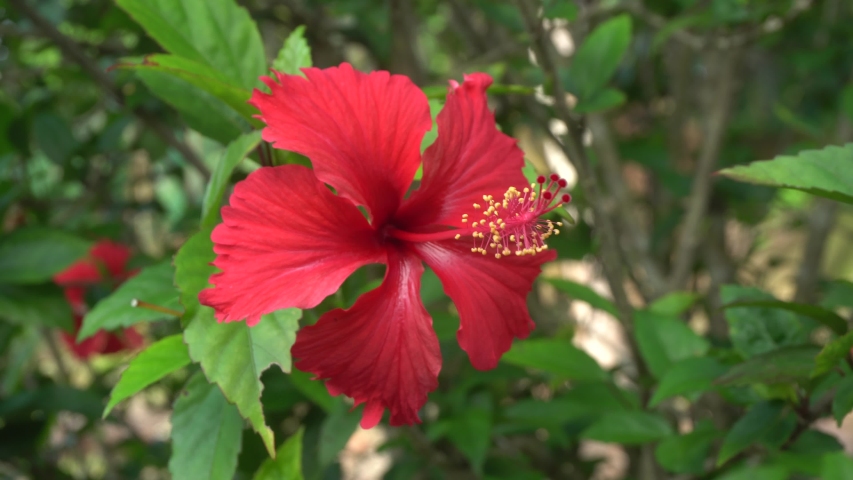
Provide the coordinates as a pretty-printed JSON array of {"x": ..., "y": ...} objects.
[{"x": 136, "y": 303}]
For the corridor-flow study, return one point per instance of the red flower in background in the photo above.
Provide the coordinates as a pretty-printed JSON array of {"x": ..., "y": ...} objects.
[
  {"x": 287, "y": 241},
  {"x": 96, "y": 275}
]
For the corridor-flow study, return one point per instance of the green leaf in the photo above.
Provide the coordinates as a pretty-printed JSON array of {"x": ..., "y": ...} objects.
[
  {"x": 42, "y": 305},
  {"x": 687, "y": 453},
  {"x": 313, "y": 390},
  {"x": 832, "y": 353},
  {"x": 582, "y": 401},
  {"x": 628, "y": 428},
  {"x": 192, "y": 269},
  {"x": 217, "y": 33},
  {"x": 336, "y": 431},
  {"x": 601, "y": 101},
  {"x": 35, "y": 254},
  {"x": 847, "y": 101},
  {"x": 838, "y": 293},
  {"x": 783, "y": 365},
  {"x": 152, "y": 285},
  {"x": 202, "y": 111},
  {"x": 690, "y": 375},
  {"x": 837, "y": 466},
  {"x": 53, "y": 136},
  {"x": 664, "y": 340},
  {"x": 827, "y": 172},
  {"x": 155, "y": 362},
  {"x": 760, "y": 472},
  {"x": 233, "y": 356},
  {"x": 757, "y": 330},
  {"x": 206, "y": 433},
  {"x": 294, "y": 55},
  {"x": 842, "y": 403},
  {"x": 470, "y": 432},
  {"x": 750, "y": 428},
  {"x": 555, "y": 356},
  {"x": 287, "y": 464},
  {"x": 565, "y": 9},
  {"x": 599, "y": 55},
  {"x": 236, "y": 151},
  {"x": 584, "y": 294},
  {"x": 824, "y": 316},
  {"x": 674, "y": 303},
  {"x": 203, "y": 77}
]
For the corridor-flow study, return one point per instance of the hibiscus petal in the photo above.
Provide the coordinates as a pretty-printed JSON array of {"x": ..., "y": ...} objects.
[
  {"x": 382, "y": 351},
  {"x": 490, "y": 295},
  {"x": 469, "y": 159},
  {"x": 285, "y": 241},
  {"x": 106, "y": 259},
  {"x": 361, "y": 131}
]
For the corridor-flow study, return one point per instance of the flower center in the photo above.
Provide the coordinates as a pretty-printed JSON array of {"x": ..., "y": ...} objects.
[
  {"x": 514, "y": 224},
  {"x": 511, "y": 225}
]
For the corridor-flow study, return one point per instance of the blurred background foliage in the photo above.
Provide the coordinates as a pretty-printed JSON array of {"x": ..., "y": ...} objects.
[{"x": 693, "y": 327}]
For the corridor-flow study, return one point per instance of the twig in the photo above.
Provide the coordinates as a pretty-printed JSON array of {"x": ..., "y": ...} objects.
[
  {"x": 75, "y": 53},
  {"x": 697, "y": 203},
  {"x": 635, "y": 240},
  {"x": 820, "y": 222}
]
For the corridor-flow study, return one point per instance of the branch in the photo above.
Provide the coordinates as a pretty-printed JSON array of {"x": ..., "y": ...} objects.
[
  {"x": 636, "y": 239},
  {"x": 697, "y": 203},
  {"x": 73, "y": 51}
]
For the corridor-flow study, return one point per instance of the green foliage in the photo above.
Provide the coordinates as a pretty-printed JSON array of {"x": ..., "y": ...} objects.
[
  {"x": 751, "y": 428},
  {"x": 665, "y": 340},
  {"x": 691, "y": 375},
  {"x": 824, "y": 172},
  {"x": 629, "y": 428},
  {"x": 687, "y": 453},
  {"x": 152, "y": 285},
  {"x": 294, "y": 54},
  {"x": 42, "y": 305},
  {"x": 757, "y": 330},
  {"x": 34, "y": 255},
  {"x": 287, "y": 464},
  {"x": 555, "y": 356},
  {"x": 154, "y": 363},
  {"x": 595, "y": 63},
  {"x": 584, "y": 294},
  {"x": 205, "y": 433},
  {"x": 236, "y": 151}
]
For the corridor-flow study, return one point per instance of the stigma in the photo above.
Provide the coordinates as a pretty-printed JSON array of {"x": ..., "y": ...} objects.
[{"x": 514, "y": 224}]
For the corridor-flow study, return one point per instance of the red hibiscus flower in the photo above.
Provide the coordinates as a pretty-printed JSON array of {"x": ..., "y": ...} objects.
[
  {"x": 288, "y": 241},
  {"x": 85, "y": 282}
]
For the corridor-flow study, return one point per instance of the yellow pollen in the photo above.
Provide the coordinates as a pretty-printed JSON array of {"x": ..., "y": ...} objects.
[
  {"x": 458, "y": 236},
  {"x": 476, "y": 206}
]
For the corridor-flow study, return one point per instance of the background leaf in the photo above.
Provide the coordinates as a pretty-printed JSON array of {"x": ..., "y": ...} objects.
[
  {"x": 555, "y": 356},
  {"x": 34, "y": 254},
  {"x": 205, "y": 433},
  {"x": 629, "y": 428}
]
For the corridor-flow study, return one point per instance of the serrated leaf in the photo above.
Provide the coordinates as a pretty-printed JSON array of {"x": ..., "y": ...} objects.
[
  {"x": 674, "y": 303},
  {"x": 628, "y": 428},
  {"x": 236, "y": 151},
  {"x": 152, "y": 364},
  {"x": 217, "y": 33},
  {"x": 35, "y": 254},
  {"x": 786, "y": 364},
  {"x": 206, "y": 433},
  {"x": 757, "y": 330},
  {"x": 826, "y": 317},
  {"x": 750, "y": 428},
  {"x": 287, "y": 464},
  {"x": 599, "y": 55},
  {"x": 294, "y": 55},
  {"x": 584, "y": 294},
  {"x": 827, "y": 172},
  {"x": 153, "y": 285},
  {"x": 832, "y": 353},
  {"x": 691, "y": 375},
  {"x": 665, "y": 340},
  {"x": 233, "y": 356},
  {"x": 555, "y": 356},
  {"x": 41, "y": 305}
]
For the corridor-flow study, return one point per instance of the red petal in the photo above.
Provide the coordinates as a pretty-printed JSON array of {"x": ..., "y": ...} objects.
[
  {"x": 361, "y": 131},
  {"x": 469, "y": 159},
  {"x": 105, "y": 257},
  {"x": 490, "y": 294},
  {"x": 285, "y": 241},
  {"x": 382, "y": 351}
]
